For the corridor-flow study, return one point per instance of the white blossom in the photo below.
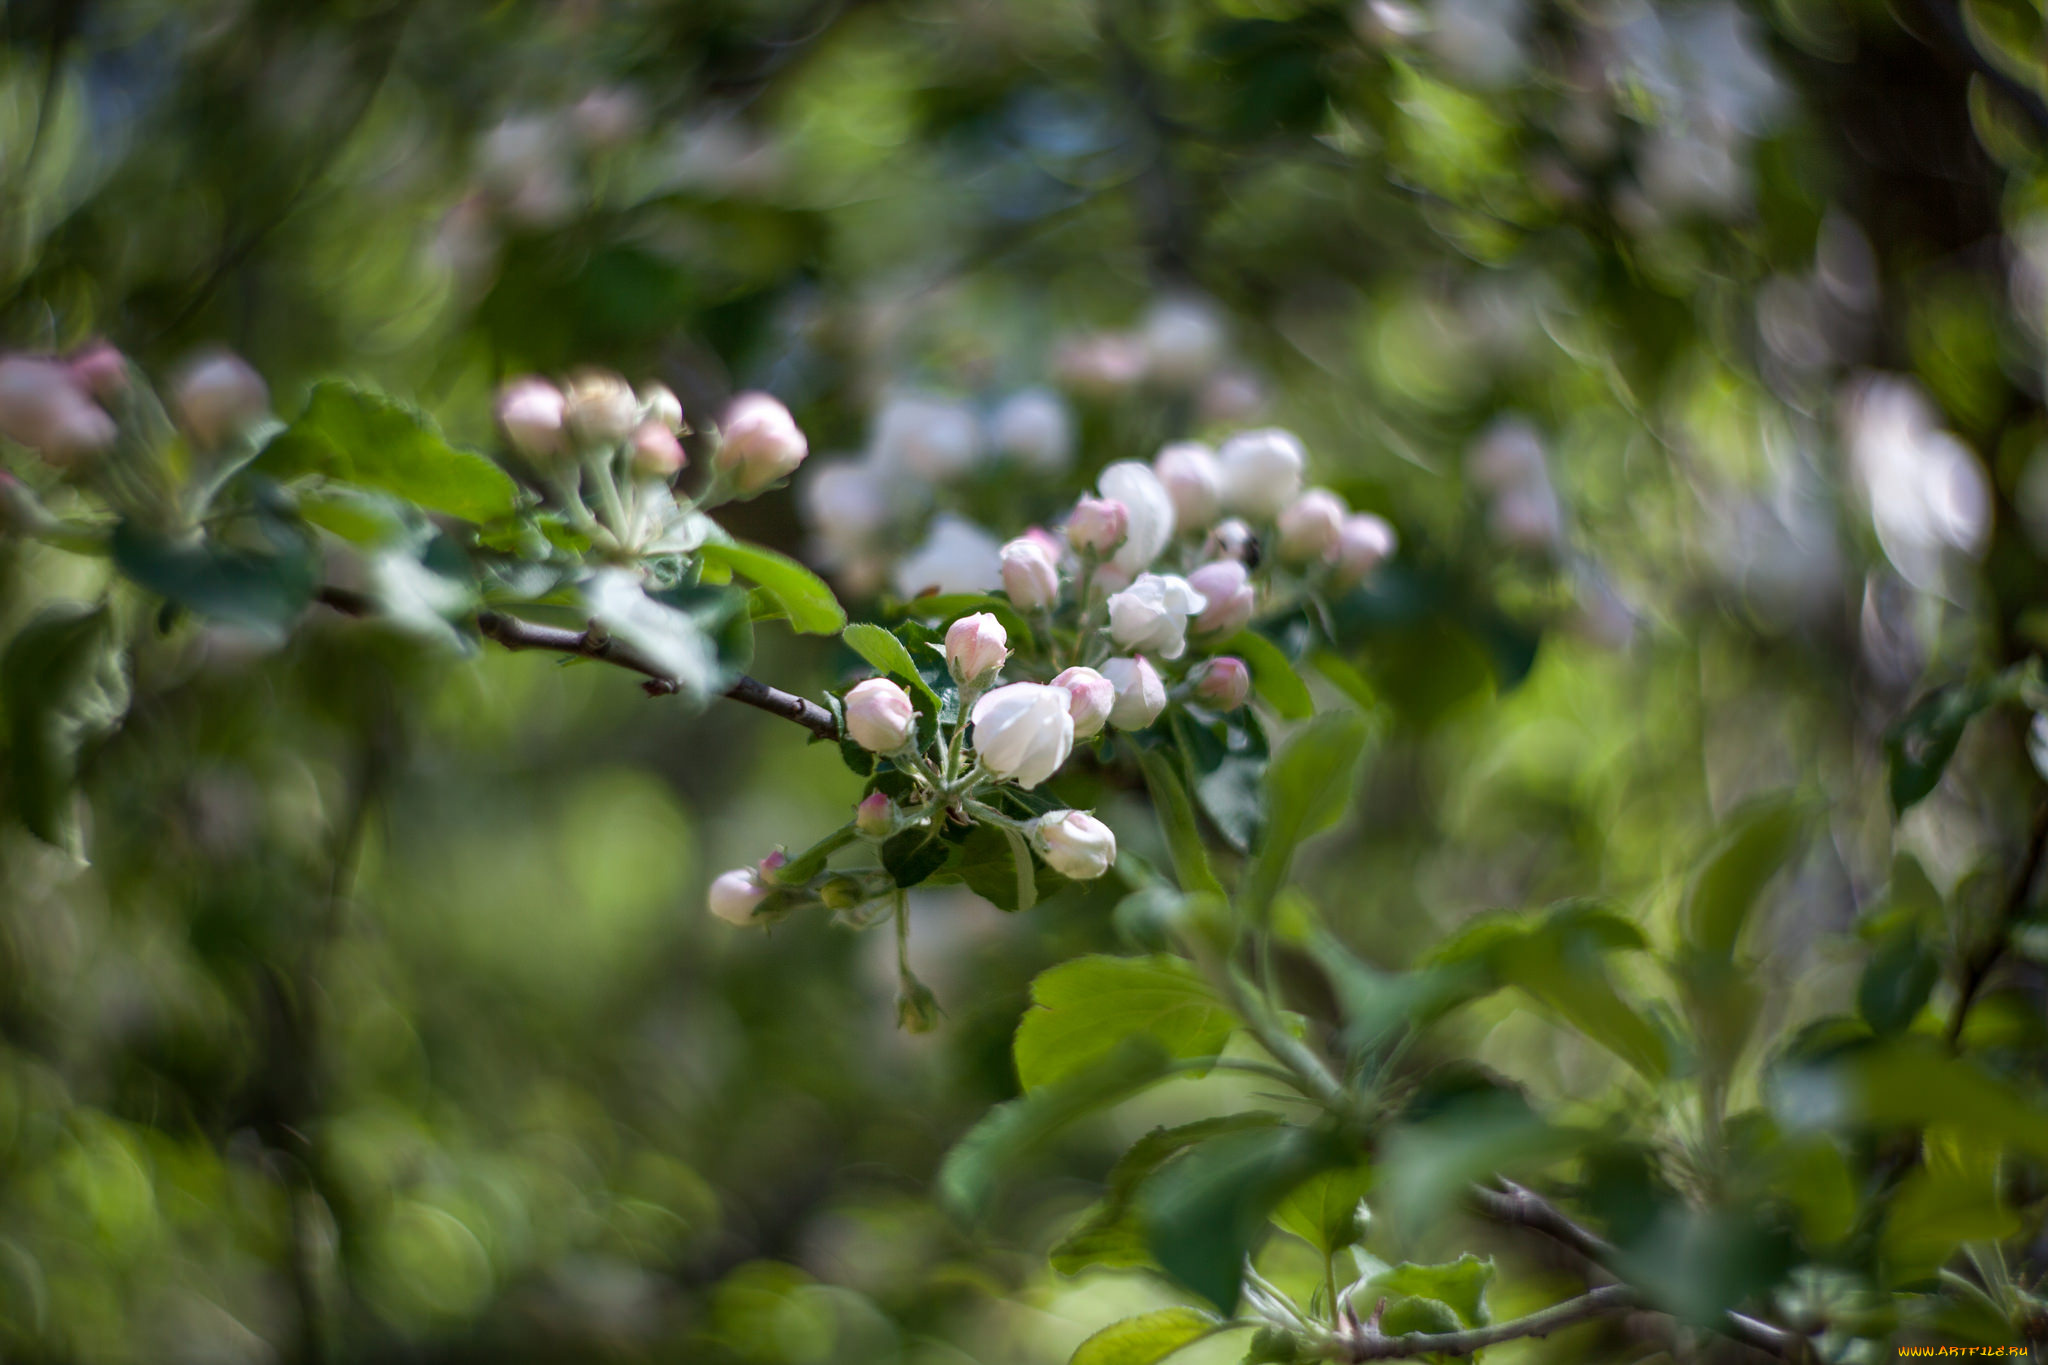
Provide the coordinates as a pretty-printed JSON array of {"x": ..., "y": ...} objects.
[
  {"x": 1152, "y": 614},
  {"x": 1023, "y": 732},
  {"x": 1262, "y": 471},
  {"x": 1148, "y": 508}
]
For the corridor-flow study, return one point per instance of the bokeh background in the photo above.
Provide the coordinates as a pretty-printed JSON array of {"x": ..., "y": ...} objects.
[{"x": 1693, "y": 347}]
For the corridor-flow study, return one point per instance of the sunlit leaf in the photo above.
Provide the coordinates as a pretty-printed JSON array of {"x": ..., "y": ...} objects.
[
  {"x": 365, "y": 438},
  {"x": 812, "y": 608},
  {"x": 1147, "y": 1338},
  {"x": 1082, "y": 1010}
]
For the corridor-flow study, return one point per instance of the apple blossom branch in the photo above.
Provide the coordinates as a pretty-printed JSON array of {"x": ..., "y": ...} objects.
[
  {"x": 512, "y": 632},
  {"x": 1367, "y": 1343}
]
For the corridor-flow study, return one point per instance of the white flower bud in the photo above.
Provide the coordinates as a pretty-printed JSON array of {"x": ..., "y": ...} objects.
[
  {"x": 1152, "y": 614},
  {"x": 600, "y": 408},
  {"x": 875, "y": 816},
  {"x": 1193, "y": 481},
  {"x": 976, "y": 647},
  {"x": 733, "y": 895},
  {"x": 957, "y": 556},
  {"x": 1031, "y": 576},
  {"x": 1149, "y": 511},
  {"x": 760, "y": 442},
  {"x": 1074, "y": 844},
  {"x": 1226, "y": 588},
  {"x": 659, "y": 403},
  {"x": 879, "y": 716},
  {"x": 1262, "y": 471},
  {"x": 1310, "y": 526},
  {"x": 1034, "y": 426},
  {"x": 531, "y": 412},
  {"x": 1140, "y": 692},
  {"x": 1223, "y": 683},
  {"x": 1023, "y": 732},
  {"x": 217, "y": 396},
  {"x": 1090, "y": 697},
  {"x": 1097, "y": 524},
  {"x": 1183, "y": 340},
  {"x": 1364, "y": 543}
]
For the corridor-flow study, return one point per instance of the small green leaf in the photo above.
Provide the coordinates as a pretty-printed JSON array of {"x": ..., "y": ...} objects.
[
  {"x": 1273, "y": 673},
  {"x": 1308, "y": 785},
  {"x": 1111, "y": 1235},
  {"x": 1084, "y": 1009},
  {"x": 64, "y": 684},
  {"x": 1147, "y": 1338},
  {"x": 260, "y": 590},
  {"x": 1226, "y": 770},
  {"x": 1010, "y": 1133},
  {"x": 913, "y": 855},
  {"x": 1177, "y": 818},
  {"x": 364, "y": 438},
  {"x": 812, "y": 608},
  {"x": 1460, "y": 1285},
  {"x": 885, "y": 653},
  {"x": 1327, "y": 1211},
  {"x": 1754, "y": 844},
  {"x": 1896, "y": 983},
  {"x": 1204, "y": 1214}
]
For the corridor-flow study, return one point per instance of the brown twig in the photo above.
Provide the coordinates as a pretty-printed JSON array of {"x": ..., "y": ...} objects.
[
  {"x": 1978, "y": 967},
  {"x": 1369, "y": 1344},
  {"x": 512, "y": 632}
]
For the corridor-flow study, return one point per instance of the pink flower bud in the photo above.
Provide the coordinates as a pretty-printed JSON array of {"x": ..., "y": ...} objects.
[
  {"x": 1193, "y": 480},
  {"x": 773, "y": 864},
  {"x": 1223, "y": 683},
  {"x": 217, "y": 396},
  {"x": 1364, "y": 543},
  {"x": 43, "y": 407},
  {"x": 879, "y": 716},
  {"x": 761, "y": 442},
  {"x": 657, "y": 454},
  {"x": 1226, "y": 587},
  {"x": 1098, "y": 524},
  {"x": 1054, "y": 546},
  {"x": 1090, "y": 697},
  {"x": 875, "y": 816},
  {"x": 531, "y": 413},
  {"x": 1074, "y": 843},
  {"x": 661, "y": 405},
  {"x": 1030, "y": 576},
  {"x": 1140, "y": 694},
  {"x": 100, "y": 370},
  {"x": 1310, "y": 526},
  {"x": 976, "y": 647},
  {"x": 734, "y": 894}
]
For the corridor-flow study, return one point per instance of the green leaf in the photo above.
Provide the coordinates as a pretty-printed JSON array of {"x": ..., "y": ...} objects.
[
  {"x": 1204, "y": 1214},
  {"x": 1226, "y": 770},
  {"x": 259, "y": 590},
  {"x": 885, "y": 653},
  {"x": 1460, "y": 1285},
  {"x": 1012, "y": 1132},
  {"x": 1147, "y": 1338},
  {"x": 1177, "y": 818},
  {"x": 1920, "y": 744},
  {"x": 1896, "y": 983},
  {"x": 364, "y": 438},
  {"x": 64, "y": 684},
  {"x": 812, "y": 608},
  {"x": 1111, "y": 1235},
  {"x": 1754, "y": 844},
  {"x": 915, "y": 854},
  {"x": 1327, "y": 1211},
  {"x": 993, "y": 864},
  {"x": 1084, "y": 1009},
  {"x": 1308, "y": 785},
  {"x": 1377, "y": 1004},
  {"x": 1912, "y": 1082},
  {"x": 1273, "y": 673},
  {"x": 676, "y": 640}
]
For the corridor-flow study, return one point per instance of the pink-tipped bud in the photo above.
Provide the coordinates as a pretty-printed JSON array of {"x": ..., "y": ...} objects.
[
  {"x": 1223, "y": 683},
  {"x": 879, "y": 716},
  {"x": 100, "y": 370},
  {"x": 1074, "y": 844},
  {"x": 43, "y": 407},
  {"x": 218, "y": 396},
  {"x": 1365, "y": 542},
  {"x": 657, "y": 454},
  {"x": 875, "y": 816},
  {"x": 773, "y": 864},
  {"x": 1226, "y": 589},
  {"x": 600, "y": 408},
  {"x": 976, "y": 647},
  {"x": 531, "y": 414},
  {"x": 1098, "y": 524},
  {"x": 1031, "y": 576},
  {"x": 734, "y": 894},
  {"x": 1193, "y": 480},
  {"x": 659, "y": 404},
  {"x": 1054, "y": 546},
  {"x": 1090, "y": 698},
  {"x": 760, "y": 442},
  {"x": 1311, "y": 525}
]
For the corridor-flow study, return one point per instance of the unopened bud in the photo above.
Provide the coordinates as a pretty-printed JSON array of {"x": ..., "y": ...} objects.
[
  {"x": 1193, "y": 480},
  {"x": 657, "y": 454},
  {"x": 1226, "y": 589},
  {"x": 1140, "y": 693},
  {"x": 1310, "y": 526},
  {"x": 218, "y": 396},
  {"x": 879, "y": 716},
  {"x": 875, "y": 816},
  {"x": 1363, "y": 545},
  {"x": 760, "y": 442},
  {"x": 976, "y": 647},
  {"x": 1074, "y": 843},
  {"x": 1098, "y": 525},
  {"x": 660, "y": 404},
  {"x": 531, "y": 412},
  {"x": 600, "y": 408},
  {"x": 734, "y": 894},
  {"x": 1223, "y": 683},
  {"x": 1031, "y": 576},
  {"x": 1090, "y": 698},
  {"x": 100, "y": 370}
]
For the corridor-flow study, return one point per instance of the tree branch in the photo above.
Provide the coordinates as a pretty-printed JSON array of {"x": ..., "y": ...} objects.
[
  {"x": 512, "y": 632},
  {"x": 1522, "y": 1207},
  {"x": 1368, "y": 1344},
  {"x": 1977, "y": 969}
]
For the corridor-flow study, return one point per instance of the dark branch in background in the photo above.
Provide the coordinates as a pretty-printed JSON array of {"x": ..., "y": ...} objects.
[
  {"x": 1952, "y": 37},
  {"x": 1978, "y": 967},
  {"x": 1520, "y": 1207},
  {"x": 1608, "y": 1299},
  {"x": 511, "y": 632}
]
